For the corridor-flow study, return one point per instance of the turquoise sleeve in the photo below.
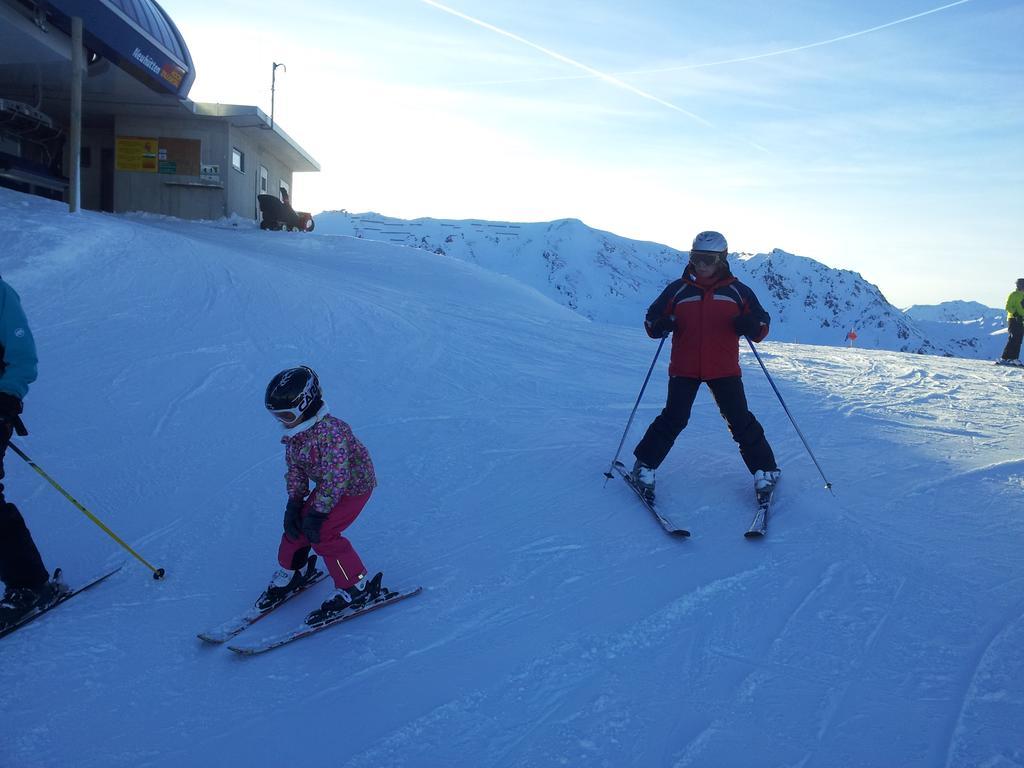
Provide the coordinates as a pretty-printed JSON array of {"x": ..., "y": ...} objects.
[{"x": 19, "y": 348}]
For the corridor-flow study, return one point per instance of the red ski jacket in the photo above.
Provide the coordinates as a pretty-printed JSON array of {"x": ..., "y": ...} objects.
[{"x": 705, "y": 344}]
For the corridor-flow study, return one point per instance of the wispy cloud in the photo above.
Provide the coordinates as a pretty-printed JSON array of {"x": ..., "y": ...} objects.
[
  {"x": 794, "y": 49},
  {"x": 733, "y": 60},
  {"x": 610, "y": 79}
]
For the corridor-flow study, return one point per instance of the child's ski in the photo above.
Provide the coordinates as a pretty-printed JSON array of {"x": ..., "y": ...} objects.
[
  {"x": 232, "y": 627},
  {"x": 66, "y": 594},
  {"x": 648, "y": 502},
  {"x": 387, "y": 597}
]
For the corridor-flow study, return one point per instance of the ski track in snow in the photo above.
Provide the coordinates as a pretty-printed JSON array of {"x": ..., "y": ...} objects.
[
  {"x": 988, "y": 690},
  {"x": 559, "y": 625}
]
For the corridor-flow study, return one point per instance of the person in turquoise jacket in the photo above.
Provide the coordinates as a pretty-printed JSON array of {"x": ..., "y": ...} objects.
[
  {"x": 1014, "y": 325},
  {"x": 26, "y": 581}
]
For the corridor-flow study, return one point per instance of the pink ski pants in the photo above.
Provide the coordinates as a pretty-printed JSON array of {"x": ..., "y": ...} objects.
[{"x": 341, "y": 559}]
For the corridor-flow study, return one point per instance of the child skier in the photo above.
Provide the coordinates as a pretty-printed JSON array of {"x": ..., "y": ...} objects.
[{"x": 321, "y": 448}]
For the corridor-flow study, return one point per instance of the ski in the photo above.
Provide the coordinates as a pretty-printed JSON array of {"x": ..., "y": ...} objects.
[
  {"x": 669, "y": 527},
  {"x": 759, "y": 525},
  {"x": 237, "y": 625},
  {"x": 387, "y": 597},
  {"x": 65, "y": 595}
]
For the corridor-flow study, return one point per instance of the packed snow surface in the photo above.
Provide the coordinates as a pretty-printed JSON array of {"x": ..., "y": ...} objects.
[{"x": 879, "y": 625}]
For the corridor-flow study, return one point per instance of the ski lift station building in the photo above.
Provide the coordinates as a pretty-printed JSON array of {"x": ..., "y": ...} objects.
[{"x": 108, "y": 81}]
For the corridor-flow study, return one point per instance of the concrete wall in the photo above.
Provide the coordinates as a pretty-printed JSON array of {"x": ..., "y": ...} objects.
[
  {"x": 190, "y": 197},
  {"x": 186, "y": 197},
  {"x": 244, "y": 187}
]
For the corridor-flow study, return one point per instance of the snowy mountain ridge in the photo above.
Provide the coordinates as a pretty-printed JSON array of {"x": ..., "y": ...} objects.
[{"x": 610, "y": 278}]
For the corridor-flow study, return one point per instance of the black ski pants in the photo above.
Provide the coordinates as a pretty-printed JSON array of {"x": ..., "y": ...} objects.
[
  {"x": 732, "y": 403},
  {"x": 20, "y": 562},
  {"x": 1015, "y": 327}
]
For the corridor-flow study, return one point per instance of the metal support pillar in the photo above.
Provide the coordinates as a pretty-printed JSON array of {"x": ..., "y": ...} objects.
[{"x": 75, "y": 149}]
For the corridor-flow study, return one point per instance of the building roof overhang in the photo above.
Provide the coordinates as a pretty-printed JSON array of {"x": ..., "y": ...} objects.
[{"x": 256, "y": 124}]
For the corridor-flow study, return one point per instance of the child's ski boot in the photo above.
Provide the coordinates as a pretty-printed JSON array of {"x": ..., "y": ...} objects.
[{"x": 359, "y": 595}]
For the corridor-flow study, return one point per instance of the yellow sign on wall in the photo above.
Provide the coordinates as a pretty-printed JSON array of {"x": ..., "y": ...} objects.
[
  {"x": 166, "y": 154},
  {"x": 136, "y": 153}
]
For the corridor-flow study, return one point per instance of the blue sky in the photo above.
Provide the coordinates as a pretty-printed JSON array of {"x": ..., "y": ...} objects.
[{"x": 883, "y": 137}]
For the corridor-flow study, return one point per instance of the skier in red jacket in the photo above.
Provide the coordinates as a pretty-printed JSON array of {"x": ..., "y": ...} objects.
[{"x": 706, "y": 311}]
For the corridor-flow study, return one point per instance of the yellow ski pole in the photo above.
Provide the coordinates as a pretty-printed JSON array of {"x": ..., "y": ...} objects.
[{"x": 158, "y": 573}]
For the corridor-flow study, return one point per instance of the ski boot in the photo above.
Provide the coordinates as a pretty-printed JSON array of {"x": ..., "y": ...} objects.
[
  {"x": 643, "y": 478},
  {"x": 765, "y": 481},
  {"x": 19, "y": 602},
  {"x": 284, "y": 582},
  {"x": 359, "y": 595}
]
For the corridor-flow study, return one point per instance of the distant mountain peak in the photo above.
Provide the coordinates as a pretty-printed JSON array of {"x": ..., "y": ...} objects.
[{"x": 613, "y": 279}]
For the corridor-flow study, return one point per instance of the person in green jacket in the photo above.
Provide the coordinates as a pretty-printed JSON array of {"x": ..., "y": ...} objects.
[
  {"x": 26, "y": 581},
  {"x": 1014, "y": 325}
]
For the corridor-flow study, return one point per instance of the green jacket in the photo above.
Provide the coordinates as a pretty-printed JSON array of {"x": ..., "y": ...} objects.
[
  {"x": 17, "y": 347},
  {"x": 1015, "y": 305}
]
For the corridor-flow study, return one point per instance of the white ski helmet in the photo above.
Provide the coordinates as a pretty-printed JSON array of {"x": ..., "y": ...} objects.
[{"x": 710, "y": 242}]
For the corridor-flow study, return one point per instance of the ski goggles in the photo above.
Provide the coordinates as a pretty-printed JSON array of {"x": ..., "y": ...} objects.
[
  {"x": 288, "y": 418},
  {"x": 704, "y": 257}
]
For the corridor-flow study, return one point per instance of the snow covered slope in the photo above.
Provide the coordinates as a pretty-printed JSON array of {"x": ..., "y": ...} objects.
[
  {"x": 559, "y": 625},
  {"x": 613, "y": 279}
]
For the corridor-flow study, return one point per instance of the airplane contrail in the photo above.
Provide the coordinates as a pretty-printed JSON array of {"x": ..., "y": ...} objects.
[
  {"x": 739, "y": 59},
  {"x": 803, "y": 47},
  {"x": 610, "y": 79}
]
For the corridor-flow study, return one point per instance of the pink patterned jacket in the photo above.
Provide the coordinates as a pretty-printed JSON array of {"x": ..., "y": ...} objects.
[{"x": 332, "y": 457}]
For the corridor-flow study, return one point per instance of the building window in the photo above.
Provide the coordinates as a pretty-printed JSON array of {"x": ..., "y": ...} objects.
[
  {"x": 284, "y": 189},
  {"x": 264, "y": 180},
  {"x": 238, "y": 159}
]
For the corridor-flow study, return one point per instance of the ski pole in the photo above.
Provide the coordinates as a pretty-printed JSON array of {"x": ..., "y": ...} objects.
[
  {"x": 629, "y": 423},
  {"x": 158, "y": 573},
  {"x": 778, "y": 394}
]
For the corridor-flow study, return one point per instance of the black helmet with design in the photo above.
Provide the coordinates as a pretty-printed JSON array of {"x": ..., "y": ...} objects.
[{"x": 294, "y": 395}]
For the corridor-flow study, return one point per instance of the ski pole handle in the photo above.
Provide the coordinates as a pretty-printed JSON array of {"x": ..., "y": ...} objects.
[{"x": 158, "y": 573}]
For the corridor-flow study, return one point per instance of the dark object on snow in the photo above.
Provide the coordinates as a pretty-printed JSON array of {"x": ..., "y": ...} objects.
[
  {"x": 275, "y": 214},
  {"x": 59, "y": 592}
]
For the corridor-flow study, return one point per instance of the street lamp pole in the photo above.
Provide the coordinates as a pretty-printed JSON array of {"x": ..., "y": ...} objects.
[{"x": 273, "y": 84}]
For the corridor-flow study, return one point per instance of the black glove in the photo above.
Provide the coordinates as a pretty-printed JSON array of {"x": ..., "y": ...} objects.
[
  {"x": 10, "y": 410},
  {"x": 293, "y": 519},
  {"x": 663, "y": 326},
  {"x": 10, "y": 407},
  {"x": 311, "y": 525},
  {"x": 747, "y": 325}
]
